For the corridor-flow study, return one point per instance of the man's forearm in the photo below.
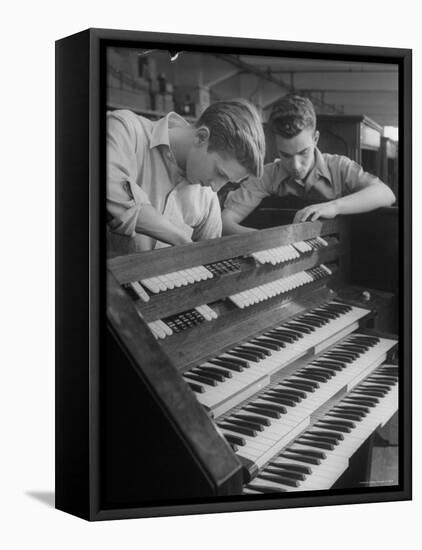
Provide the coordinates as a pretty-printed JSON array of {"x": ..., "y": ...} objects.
[
  {"x": 233, "y": 228},
  {"x": 367, "y": 199},
  {"x": 150, "y": 222},
  {"x": 231, "y": 224}
]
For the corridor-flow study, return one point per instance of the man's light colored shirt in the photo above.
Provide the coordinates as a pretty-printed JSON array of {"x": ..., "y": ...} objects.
[
  {"x": 331, "y": 177},
  {"x": 141, "y": 169}
]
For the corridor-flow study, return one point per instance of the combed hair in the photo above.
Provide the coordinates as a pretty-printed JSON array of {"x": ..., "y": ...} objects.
[
  {"x": 291, "y": 115},
  {"x": 236, "y": 129}
]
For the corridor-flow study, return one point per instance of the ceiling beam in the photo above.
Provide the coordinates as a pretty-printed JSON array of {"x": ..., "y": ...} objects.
[{"x": 266, "y": 75}]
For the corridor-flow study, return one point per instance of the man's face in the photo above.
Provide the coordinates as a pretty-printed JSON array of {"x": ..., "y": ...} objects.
[
  {"x": 297, "y": 154},
  {"x": 212, "y": 169}
]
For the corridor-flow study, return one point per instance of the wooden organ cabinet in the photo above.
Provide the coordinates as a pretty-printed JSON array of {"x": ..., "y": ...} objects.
[
  {"x": 390, "y": 164},
  {"x": 236, "y": 367},
  {"x": 356, "y": 137}
]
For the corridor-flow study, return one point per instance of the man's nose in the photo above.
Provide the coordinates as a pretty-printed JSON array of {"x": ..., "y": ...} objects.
[{"x": 295, "y": 163}]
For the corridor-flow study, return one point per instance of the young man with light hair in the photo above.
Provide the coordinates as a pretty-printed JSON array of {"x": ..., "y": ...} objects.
[
  {"x": 333, "y": 184},
  {"x": 163, "y": 176}
]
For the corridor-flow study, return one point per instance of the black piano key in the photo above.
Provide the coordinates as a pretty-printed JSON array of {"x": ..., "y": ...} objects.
[
  {"x": 275, "y": 398},
  {"x": 254, "y": 418},
  {"x": 291, "y": 391},
  {"x": 337, "y": 366},
  {"x": 200, "y": 378},
  {"x": 372, "y": 340},
  {"x": 296, "y": 384},
  {"x": 261, "y": 352},
  {"x": 339, "y": 357},
  {"x": 348, "y": 410},
  {"x": 341, "y": 308},
  {"x": 249, "y": 357},
  {"x": 311, "y": 321},
  {"x": 262, "y": 488},
  {"x": 293, "y": 467},
  {"x": 278, "y": 479},
  {"x": 226, "y": 365},
  {"x": 394, "y": 371},
  {"x": 354, "y": 409},
  {"x": 282, "y": 472},
  {"x": 234, "y": 439},
  {"x": 307, "y": 452},
  {"x": 317, "y": 369},
  {"x": 275, "y": 338},
  {"x": 299, "y": 326},
  {"x": 314, "y": 442},
  {"x": 246, "y": 423},
  {"x": 376, "y": 387},
  {"x": 333, "y": 426},
  {"x": 235, "y": 360},
  {"x": 218, "y": 370},
  {"x": 383, "y": 380},
  {"x": 360, "y": 401},
  {"x": 348, "y": 416},
  {"x": 370, "y": 392},
  {"x": 288, "y": 331},
  {"x": 195, "y": 387},
  {"x": 328, "y": 435},
  {"x": 243, "y": 355},
  {"x": 342, "y": 353},
  {"x": 235, "y": 428},
  {"x": 313, "y": 374},
  {"x": 263, "y": 411},
  {"x": 266, "y": 343},
  {"x": 290, "y": 400},
  {"x": 327, "y": 314},
  {"x": 271, "y": 404},
  {"x": 308, "y": 379},
  {"x": 340, "y": 422},
  {"x": 283, "y": 338},
  {"x": 314, "y": 461},
  {"x": 209, "y": 374},
  {"x": 355, "y": 347}
]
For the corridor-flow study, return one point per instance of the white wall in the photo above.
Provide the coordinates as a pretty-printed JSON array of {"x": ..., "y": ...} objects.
[{"x": 27, "y": 271}]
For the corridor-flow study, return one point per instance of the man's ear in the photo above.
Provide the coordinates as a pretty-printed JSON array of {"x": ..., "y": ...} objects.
[
  {"x": 316, "y": 137},
  {"x": 202, "y": 135}
]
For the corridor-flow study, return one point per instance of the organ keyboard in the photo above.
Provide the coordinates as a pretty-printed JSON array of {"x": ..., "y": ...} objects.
[{"x": 258, "y": 376}]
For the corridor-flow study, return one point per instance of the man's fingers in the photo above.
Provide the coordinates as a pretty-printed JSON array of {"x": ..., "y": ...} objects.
[
  {"x": 307, "y": 213},
  {"x": 298, "y": 217},
  {"x": 315, "y": 216}
]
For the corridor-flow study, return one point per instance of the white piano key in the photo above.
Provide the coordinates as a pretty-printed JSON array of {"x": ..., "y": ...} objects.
[
  {"x": 140, "y": 292},
  {"x": 152, "y": 284},
  {"x": 161, "y": 324},
  {"x": 322, "y": 241}
]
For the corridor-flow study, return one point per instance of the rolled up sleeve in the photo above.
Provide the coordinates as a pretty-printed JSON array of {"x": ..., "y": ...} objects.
[
  {"x": 252, "y": 191},
  {"x": 353, "y": 176},
  {"x": 124, "y": 197}
]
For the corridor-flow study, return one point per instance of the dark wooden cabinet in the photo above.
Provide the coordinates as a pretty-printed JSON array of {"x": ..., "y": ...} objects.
[{"x": 356, "y": 137}]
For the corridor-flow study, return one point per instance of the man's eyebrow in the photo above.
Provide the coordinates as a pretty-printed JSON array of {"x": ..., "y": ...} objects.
[{"x": 298, "y": 153}]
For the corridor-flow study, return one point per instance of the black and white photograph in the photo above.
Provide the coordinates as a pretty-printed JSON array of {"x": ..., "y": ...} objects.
[
  {"x": 252, "y": 221},
  {"x": 251, "y": 349}
]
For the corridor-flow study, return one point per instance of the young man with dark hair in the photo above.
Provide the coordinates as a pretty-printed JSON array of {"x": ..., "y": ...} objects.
[
  {"x": 163, "y": 177},
  {"x": 334, "y": 184}
]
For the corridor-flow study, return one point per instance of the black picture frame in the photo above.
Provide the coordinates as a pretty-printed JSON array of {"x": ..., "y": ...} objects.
[{"x": 80, "y": 260}]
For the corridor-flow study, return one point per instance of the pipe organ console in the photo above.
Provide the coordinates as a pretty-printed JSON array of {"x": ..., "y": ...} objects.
[{"x": 234, "y": 367}]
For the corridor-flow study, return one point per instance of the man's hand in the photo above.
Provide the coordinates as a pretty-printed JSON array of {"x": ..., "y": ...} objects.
[{"x": 326, "y": 210}]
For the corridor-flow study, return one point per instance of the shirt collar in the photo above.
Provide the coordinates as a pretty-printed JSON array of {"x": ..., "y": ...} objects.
[
  {"x": 320, "y": 167},
  {"x": 160, "y": 131}
]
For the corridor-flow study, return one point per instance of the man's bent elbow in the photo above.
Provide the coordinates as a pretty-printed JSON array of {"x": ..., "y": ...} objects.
[{"x": 389, "y": 196}]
